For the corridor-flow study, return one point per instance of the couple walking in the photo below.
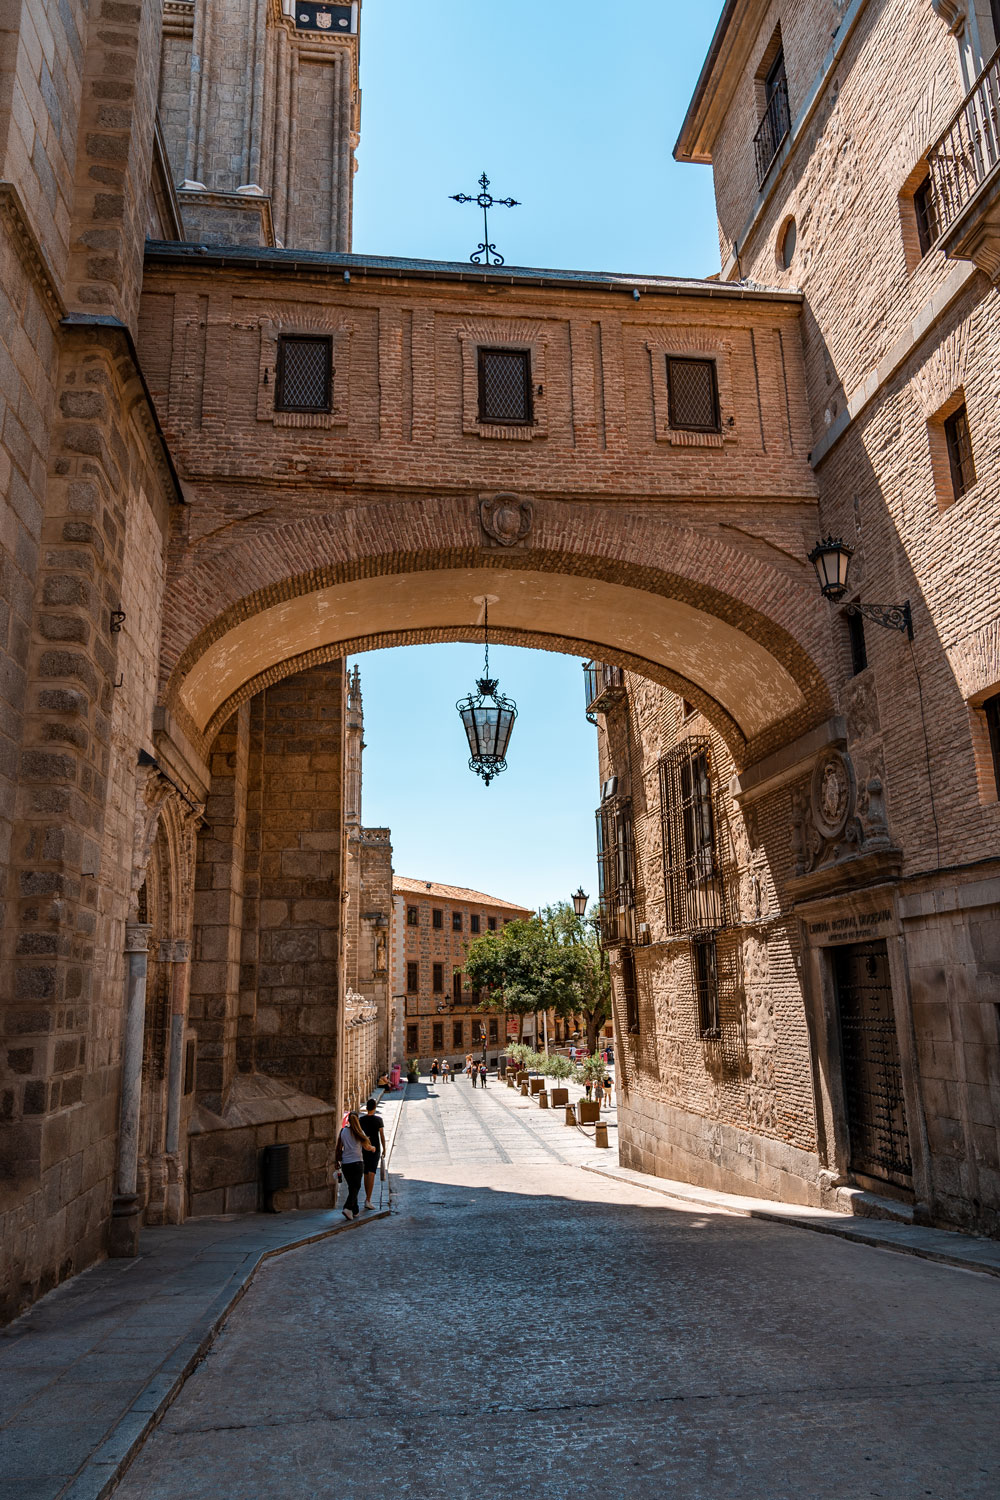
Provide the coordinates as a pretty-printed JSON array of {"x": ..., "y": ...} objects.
[
  {"x": 360, "y": 1148},
  {"x": 477, "y": 1071}
]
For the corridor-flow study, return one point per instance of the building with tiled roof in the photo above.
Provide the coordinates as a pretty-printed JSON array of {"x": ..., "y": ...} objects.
[{"x": 436, "y": 1013}]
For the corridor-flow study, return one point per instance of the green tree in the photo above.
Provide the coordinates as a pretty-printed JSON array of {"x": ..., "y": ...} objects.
[
  {"x": 590, "y": 995},
  {"x": 523, "y": 968}
]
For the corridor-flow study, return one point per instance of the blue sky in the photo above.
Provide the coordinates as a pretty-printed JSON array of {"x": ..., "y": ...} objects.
[{"x": 573, "y": 109}]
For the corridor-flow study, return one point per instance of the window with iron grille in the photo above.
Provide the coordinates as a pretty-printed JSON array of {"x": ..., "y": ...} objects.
[
  {"x": 304, "y": 377},
  {"x": 456, "y": 921},
  {"x": 494, "y": 1033},
  {"x": 438, "y": 979},
  {"x": 959, "y": 441},
  {"x": 694, "y": 394},
  {"x": 458, "y": 1035},
  {"x": 505, "y": 386},
  {"x": 412, "y": 978},
  {"x": 491, "y": 923},
  {"x": 991, "y": 708},
  {"x": 630, "y": 991},
  {"x": 706, "y": 987},
  {"x": 925, "y": 210},
  {"x": 438, "y": 1043},
  {"x": 412, "y": 917},
  {"x": 616, "y": 868},
  {"x": 412, "y": 1038},
  {"x": 776, "y": 121},
  {"x": 474, "y": 922},
  {"x": 437, "y": 917},
  {"x": 456, "y": 988},
  {"x": 692, "y": 867}
]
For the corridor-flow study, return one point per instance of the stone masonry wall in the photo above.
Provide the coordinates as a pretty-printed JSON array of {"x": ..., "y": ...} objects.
[{"x": 300, "y": 725}]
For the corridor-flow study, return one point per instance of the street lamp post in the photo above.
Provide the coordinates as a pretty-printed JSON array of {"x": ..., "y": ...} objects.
[{"x": 831, "y": 558}]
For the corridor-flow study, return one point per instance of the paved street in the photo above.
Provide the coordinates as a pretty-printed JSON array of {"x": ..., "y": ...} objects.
[{"x": 521, "y": 1326}]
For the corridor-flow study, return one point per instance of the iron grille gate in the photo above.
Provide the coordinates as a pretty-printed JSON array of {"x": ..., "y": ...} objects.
[{"x": 873, "y": 1079}]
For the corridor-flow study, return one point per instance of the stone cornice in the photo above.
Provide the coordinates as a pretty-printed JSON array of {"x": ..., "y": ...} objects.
[{"x": 29, "y": 252}]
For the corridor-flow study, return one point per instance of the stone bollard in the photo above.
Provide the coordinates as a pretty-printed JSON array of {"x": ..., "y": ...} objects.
[
  {"x": 543, "y": 1100},
  {"x": 600, "y": 1133},
  {"x": 570, "y": 1115},
  {"x": 524, "y": 1091}
]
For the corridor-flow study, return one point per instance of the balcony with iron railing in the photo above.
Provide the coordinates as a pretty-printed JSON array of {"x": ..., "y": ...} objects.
[
  {"x": 964, "y": 164},
  {"x": 603, "y": 687},
  {"x": 772, "y": 130}
]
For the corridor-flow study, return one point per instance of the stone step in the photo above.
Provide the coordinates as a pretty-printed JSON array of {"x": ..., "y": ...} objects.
[{"x": 861, "y": 1204}]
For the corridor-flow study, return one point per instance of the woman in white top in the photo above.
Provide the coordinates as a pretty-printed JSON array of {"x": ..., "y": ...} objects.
[{"x": 352, "y": 1144}]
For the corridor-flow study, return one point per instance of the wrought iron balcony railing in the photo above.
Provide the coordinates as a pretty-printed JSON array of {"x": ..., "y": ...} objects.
[
  {"x": 968, "y": 151},
  {"x": 772, "y": 130},
  {"x": 603, "y": 686}
]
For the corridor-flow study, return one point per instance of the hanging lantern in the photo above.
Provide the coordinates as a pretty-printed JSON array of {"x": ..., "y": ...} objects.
[{"x": 488, "y": 718}]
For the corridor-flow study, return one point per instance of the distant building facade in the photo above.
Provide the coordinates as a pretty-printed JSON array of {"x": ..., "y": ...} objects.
[{"x": 437, "y": 1013}]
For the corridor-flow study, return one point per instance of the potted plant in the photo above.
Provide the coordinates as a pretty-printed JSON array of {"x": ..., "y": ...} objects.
[{"x": 413, "y": 1070}]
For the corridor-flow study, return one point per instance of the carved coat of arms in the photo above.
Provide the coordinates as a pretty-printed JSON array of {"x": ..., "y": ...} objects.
[{"x": 506, "y": 518}]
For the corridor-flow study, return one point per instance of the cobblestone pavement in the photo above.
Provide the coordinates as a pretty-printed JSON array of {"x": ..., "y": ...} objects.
[{"x": 525, "y": 1327}]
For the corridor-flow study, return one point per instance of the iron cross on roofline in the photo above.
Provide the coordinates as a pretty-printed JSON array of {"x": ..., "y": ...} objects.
[{"x": 485, "y": 199}]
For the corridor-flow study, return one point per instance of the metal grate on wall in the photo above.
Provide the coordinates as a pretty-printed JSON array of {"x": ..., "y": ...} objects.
[
  {"x": 505, "y": 385},
  {"x": 305, "y": 374},
  {"x": 694, "y": 872},
  {"x": 616, "y": 869},
  {"x": 694, "y": 394}
]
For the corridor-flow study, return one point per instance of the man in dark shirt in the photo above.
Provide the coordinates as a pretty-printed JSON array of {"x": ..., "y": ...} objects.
[{"x": 374, "y": 1128}]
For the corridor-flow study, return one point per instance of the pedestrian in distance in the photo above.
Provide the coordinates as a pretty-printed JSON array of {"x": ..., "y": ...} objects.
[
  {"x": 588, "y": 1084},
  {"x": 572, "y": 1054},
  {"x": 482, "y": 1075},
  {"x": 472, "y": 1070},
  {"x": 350, "y": 1156},
  {"x": 374, "y": 1128},
  {"x": 607, "y": 1091},
  {"x": 446, "y": 1072},
  {"x": 434, "y": 1071}
]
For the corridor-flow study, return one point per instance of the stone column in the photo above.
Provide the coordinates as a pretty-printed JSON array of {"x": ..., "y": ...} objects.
[
  {"x": 124, "y": 1239},
  {"x": 180, "y": 982},
  {"x": 180, "y": 979}
]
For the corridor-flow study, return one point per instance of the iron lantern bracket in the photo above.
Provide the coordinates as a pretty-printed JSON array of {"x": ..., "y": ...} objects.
[{"x": 890, "y": 616}]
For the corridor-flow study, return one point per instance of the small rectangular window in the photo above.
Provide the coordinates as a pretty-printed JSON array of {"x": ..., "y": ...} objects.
[
  {"x": 505, "y": 386},
  {"x": 437, "y": 918},
  {"x": 991, "y": 708},
  {"x": 925, "y": 209},
  {"x": 456, "y": 921},
  {"x": 959, "y": 441},
  {"x": 474, "y": 922},
  {"x": 456, "y": 988},
  {"x": 412, "y": 1038},
  {"x": 438, "y": 1036},
  {"x": 859, "y": 649},
  {"x": 494, "y": 1033},
  {"x": 458, "y": 1035},
  {"x": 492, "y": 923},
  {"x": 694, "y": 394},
  {"x": 438, "y": 979},
  {"x": 304, "y": 377},
  {"x": 412, "y": 978},
  {"x": 630, "y": 991},
  {"x": 706, "y": 986},
  {"x": 412, "y": 917}
]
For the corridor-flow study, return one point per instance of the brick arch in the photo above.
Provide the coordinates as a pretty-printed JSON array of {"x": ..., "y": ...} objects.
[{"x": 632, "y": 588}]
